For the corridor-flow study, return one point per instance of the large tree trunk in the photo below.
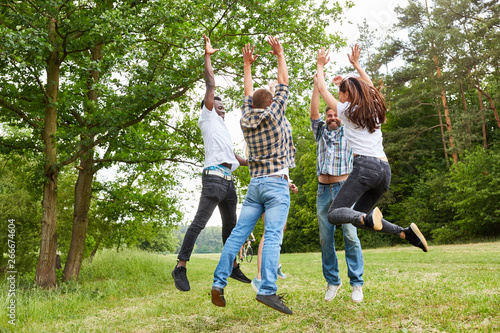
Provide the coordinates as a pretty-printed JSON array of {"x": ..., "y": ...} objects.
[
  {"x": 46, "y": 268},
  {"x": 83, "y": 193},
  {"x": 83, "y": 187}
]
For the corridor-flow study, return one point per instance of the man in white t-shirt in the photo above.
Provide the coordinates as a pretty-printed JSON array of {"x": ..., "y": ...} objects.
[{"x": 218, "y": 187}]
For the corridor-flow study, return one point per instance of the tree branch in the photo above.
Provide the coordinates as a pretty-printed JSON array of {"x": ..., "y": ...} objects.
[
  {"x": 38, "y": 9},
  {"x": 19, "y": 147},
  {"x": 108, "y": 160},
  {"x": 19, "y": 112},
  {"x": 143, "y": 115}
]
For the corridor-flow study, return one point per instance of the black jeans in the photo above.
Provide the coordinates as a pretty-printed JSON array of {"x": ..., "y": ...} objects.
[
  {"x": 366, "y": 184},
  {"x": 216, "y": 191}
]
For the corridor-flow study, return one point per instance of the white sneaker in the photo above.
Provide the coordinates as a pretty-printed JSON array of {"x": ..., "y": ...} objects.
[
  {"x": 357, "y": 294},
  {"x": 331, "y": 292}
]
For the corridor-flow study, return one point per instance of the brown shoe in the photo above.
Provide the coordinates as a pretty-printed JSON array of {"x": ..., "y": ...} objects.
[{"x": 218, "y": 297}]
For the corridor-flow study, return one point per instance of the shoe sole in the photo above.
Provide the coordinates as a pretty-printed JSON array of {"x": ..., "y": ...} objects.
[
  {"x": 334, "y": 295},
  {"x": 377, "y": 219},
  {"x": 280, "y": 310},
  {"x": 420, "y": 236},
  {"x": 176, "y": 286},
  {"x": 281, "y": 277},
  {"x": 217, "y": 298},
  {"x": 255, "y": 287}
]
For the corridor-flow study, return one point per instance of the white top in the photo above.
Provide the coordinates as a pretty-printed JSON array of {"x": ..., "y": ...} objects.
[
  {"x": 216, "y": 139},
  {"x": 284, "y": 171},
  {"x": 361, "y": 141}
]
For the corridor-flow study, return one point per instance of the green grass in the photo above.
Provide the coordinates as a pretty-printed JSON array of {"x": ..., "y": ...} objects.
[{"x": 453, "y": 288}]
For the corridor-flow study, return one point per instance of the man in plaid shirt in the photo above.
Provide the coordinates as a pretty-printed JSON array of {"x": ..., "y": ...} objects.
[
  {"x": 334, "y": 157},
  {"x": 268, "y": 135}
]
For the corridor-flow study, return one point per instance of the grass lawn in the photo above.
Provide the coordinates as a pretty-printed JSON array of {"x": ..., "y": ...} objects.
[{"x": 452, "y": 288}]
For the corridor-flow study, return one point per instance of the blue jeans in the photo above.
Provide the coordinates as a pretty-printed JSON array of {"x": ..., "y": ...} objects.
[
  {"x": 353, "y": 253},
  {"x": 265, "y": 194},
  {"x": 368, "y": 181}
]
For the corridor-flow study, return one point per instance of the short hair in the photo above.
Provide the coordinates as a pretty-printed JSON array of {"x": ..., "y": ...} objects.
[
  {"x": 327, "y": 108},
  {"x": 261, "y": 98},
  {"x": 216, "y": 98}
]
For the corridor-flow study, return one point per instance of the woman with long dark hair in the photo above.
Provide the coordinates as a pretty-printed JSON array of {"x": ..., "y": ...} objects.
[{"x": 362, "y": 109}]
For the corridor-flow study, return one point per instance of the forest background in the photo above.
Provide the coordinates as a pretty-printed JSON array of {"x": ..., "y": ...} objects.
[{"x": 87, "y": 87}]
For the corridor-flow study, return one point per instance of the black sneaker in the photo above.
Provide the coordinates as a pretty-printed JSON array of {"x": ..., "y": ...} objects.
[
  {"x": 274, "y": 301},
  {"x": 415, "y": 237},
  {"x": 218, "y": 297},
  {"x": 373, "y": 219},
  {"x": 237, "y": 274},
  {"x": 180, "y": 278}
]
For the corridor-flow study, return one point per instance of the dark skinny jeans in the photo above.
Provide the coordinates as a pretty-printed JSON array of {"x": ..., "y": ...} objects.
[
  {"x": 366, "y": 184},
  {"x": 216, "y": 191}
]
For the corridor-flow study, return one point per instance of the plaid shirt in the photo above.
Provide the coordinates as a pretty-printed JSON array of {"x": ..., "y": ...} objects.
[
  {"x": 268, "y": 135},
  {"x": 334, "y": 153}
]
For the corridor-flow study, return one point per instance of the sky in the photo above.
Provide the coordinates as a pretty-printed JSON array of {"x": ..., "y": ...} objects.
[{"x": 378, "y": 14}]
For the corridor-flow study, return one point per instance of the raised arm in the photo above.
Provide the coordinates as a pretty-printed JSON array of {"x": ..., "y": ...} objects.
[
  {"x": 248, "y": 59},
  {"x": 353, "y": 59},
  {"x": 319, "y": 79},
  {"x": 209, "y": 74},
  {"x": 315, "y": 102},
  {"x": 280, "y": 55}
]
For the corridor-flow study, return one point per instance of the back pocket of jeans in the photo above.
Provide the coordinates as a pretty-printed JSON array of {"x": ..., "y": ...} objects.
[{"x": 368, "y": 176}]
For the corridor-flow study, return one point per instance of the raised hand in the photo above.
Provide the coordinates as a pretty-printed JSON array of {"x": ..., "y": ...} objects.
[
  {"x": 315, "y": 78},
  {"x": 354, "y": 56},
  {"x": 337, "y": 80},
  {"x": 275, "y": 44},
  {"x": 248, "y": 57},
  {"x": 323, "y": 57},
  {"x": 208, "y": 47}
]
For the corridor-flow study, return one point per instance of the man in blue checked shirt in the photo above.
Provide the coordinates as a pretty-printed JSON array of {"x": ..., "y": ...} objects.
[
  {"x": 334, "y": 163},
  {"x": 268, "y": 135},
  {"x": 218, "y": 187}
]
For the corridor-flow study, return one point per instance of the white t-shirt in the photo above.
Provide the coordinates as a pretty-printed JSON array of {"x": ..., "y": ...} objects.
[
  {"x": 361, "y": 141},
  {"x": 216, "y": 139}
]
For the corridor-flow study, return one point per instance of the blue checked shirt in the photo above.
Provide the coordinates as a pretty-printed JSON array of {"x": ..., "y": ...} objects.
[
  {"x": 268, "y": 135},
  {"x": 334, "y": 153}
]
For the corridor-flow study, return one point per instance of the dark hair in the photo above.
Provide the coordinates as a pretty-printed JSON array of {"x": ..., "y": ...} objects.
[
  {"x": 261, "y": 98},
  {"x": 367, "y": 109},
  {"x": 216, "y": 98}
]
